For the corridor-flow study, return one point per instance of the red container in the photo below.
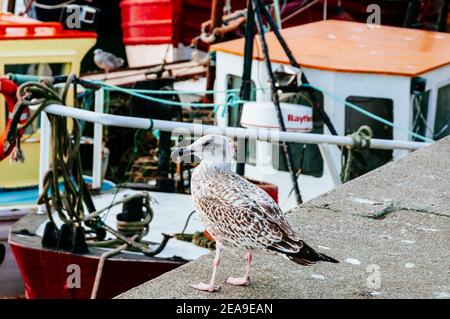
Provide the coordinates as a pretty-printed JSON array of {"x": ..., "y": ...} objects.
[
  {"x": 270, "y": 189},
  {"x": 147, "y": 21}
]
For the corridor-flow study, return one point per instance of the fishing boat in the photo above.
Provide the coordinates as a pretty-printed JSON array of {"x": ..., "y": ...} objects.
[
  {"x": 40, "y": 48},
  {"x": 47, "y": 272},
  {"x": 395, "y": 80}
]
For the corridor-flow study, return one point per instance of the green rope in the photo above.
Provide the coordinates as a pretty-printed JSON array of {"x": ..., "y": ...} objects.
[
  {"x": 232, "y": 100},
  {"x": 197, "y": 238},
  {"x": 360, "y": 141},
  {"x": 371, "y": 115},
  {"x": 65, "y": 156},
  {"x": 136, "y": 93}
]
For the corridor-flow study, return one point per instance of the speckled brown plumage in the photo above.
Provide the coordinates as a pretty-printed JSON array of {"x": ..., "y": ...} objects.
[{"x": 238, "y": 213}]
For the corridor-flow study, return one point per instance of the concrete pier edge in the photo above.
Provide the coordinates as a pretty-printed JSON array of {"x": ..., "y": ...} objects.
[{"x": 390, "y": 230}]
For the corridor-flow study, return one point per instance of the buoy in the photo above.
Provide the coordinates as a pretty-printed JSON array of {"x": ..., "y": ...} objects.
[{"x": 7, "y": 139}]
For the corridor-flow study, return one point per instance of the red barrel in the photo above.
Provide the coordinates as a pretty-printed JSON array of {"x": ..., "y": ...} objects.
[
  {"x": 147, "y": 21},
  {"x": 271, "y": 189}
]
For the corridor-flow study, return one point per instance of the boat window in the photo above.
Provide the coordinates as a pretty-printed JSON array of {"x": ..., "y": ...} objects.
[
  {"x": 420, "y": 113},
  {"x": 367, "y": 160},
  {"x": 442, "y": 122},
  {"x": 234, "y": 114},
  {"x": 40, "y": 69},
  {"x": 307, "y": 157}
]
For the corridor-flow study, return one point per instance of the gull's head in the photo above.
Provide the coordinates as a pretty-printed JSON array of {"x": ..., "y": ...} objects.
[
  {"x": 98, "y": 51},
  {"x": 209, "y": 148}
]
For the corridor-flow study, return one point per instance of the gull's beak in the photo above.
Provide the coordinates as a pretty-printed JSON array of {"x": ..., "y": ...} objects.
[{"x": 181, "y": 152}]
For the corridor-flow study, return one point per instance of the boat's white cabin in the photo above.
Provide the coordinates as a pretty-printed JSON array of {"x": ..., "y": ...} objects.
[{"x": 401, "y": 75}]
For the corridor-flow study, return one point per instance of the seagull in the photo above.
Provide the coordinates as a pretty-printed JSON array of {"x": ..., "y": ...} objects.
[
  {"x": 107, "y": 61},
  {"x": 237, "y": 213}
]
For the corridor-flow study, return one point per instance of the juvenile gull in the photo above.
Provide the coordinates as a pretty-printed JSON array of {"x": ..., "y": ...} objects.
[
  {"x": 238, "y": 213},
  {"x": 107, "y": 61}
]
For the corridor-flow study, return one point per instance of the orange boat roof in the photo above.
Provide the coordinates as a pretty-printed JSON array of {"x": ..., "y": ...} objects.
[
  {"x": 14, "y": 27},
  {"x": 344, "y": 46}
]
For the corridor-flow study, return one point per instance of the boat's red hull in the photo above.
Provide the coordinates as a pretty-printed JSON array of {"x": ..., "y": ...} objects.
[
  {"x": 11, "y": 285},
  {"x": 45, "y": 273}
]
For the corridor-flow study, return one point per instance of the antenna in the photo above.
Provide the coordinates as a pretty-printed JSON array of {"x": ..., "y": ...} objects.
[{"x": 257, "y": 8}]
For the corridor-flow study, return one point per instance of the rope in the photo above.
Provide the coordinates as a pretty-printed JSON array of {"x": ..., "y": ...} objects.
[
  {"x": 101, "y": 263},
  {"x": 301, "y": 9},
  {"x": 360, "y": 141},
  {"x": 52, "y": 7},
  {"x": 371, "y": 115},
  {"x": 111, "y": 87},
  {"x": 197, "y": 238},
  {"x": 66, "y": 166},
  {"x": 137, "y": 93},
  {"x": 68, "y": 203},
  {"x": 233, "y": 100}
]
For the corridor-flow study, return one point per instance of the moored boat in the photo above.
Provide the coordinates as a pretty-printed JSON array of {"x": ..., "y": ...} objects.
[
  {"x": 51, "y": 273},
  {"x": 37, "y": 48}
]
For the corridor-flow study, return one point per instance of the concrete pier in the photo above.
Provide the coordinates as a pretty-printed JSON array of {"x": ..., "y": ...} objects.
[{"x": 390, "y": 229}]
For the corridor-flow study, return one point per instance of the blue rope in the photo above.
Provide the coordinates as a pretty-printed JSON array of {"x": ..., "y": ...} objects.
[
  {"x": 158, "y": 100},
  {"x": 163, "y": 92},
  {"x": 371, "y": 115}
]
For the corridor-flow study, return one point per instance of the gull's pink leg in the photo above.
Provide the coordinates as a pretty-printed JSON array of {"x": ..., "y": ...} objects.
[
  {"x": 212, "y": 284},
  {"x": 243, "y": 281}
]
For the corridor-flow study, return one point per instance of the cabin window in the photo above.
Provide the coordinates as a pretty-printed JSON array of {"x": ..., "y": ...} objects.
[
  {"x": 420, "y": 112},
  {"x": 442, "y": 122},
  {"x": 234, "y": 112},
  {"x": 307, "y": 157},
  {"x": 367, "y": 160},
  {"x": 41, "y": 69},
  {"x": 234, "y": 115}
]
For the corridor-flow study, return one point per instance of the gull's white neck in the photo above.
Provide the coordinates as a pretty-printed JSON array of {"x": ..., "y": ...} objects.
[{"x": 215, "y": 166}]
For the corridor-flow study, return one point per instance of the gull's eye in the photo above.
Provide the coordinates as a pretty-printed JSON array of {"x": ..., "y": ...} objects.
[{"x": 207, "y": 143}]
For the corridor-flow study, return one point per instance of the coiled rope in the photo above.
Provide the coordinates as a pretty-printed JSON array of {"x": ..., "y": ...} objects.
[
  {"x": 66, "y": 166},
  {"x": 197, "y": 238},
  {"x": 360, "y": 141},
  {"x": 68, "y": 203}
]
